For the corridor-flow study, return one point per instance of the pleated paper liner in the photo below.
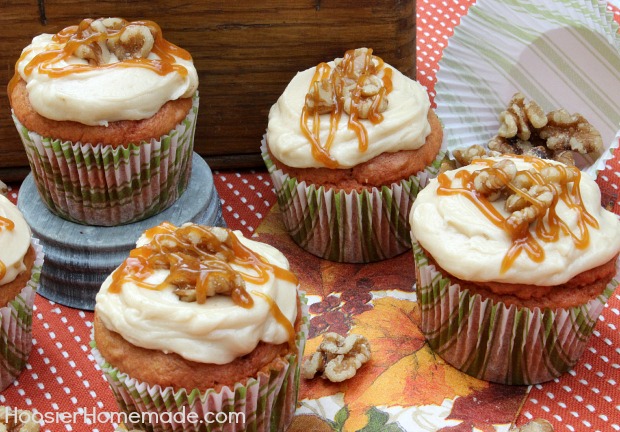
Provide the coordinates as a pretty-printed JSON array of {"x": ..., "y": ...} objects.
[
  {"x": 560, "y": 53},
  {"x": 102, "y": 185},
  {"x": 495, "y": 342},
  {"x": 267, "y": 401},
  {"x": 354, "y": 227},
  {"x": 16, "y": 325}
]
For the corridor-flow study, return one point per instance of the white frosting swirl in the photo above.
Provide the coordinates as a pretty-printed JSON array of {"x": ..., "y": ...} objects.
[
  {"x": 101, "y": 95},
  {"x": 217, "y": 331},
  {"x": 14, "y": 242},
  {"x": 469, "y": 246},
  {"x": 404, "y": 127}
]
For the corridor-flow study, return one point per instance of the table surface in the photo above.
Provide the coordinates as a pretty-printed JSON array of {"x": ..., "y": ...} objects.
[{"x": 62, "y": 376}]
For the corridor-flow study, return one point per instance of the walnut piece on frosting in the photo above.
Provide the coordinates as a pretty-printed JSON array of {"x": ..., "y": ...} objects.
[
  {"x": 4, "y": 189},
  {"x": 526, "y": 129},
  {"x": 526, "y": 199},
  {"x": 12, "y": 420},
  {"x": 353, "y": 84},
  {"x": 116, "y": 36},
  {"x": 337, "y": 357}
]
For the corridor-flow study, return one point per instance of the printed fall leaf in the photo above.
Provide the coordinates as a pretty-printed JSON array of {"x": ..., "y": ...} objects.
[{"x": 403, "y": 370}]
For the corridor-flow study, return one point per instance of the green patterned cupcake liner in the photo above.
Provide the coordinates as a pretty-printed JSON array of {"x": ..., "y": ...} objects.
[
  {"x": 500, "y": 343},
  {"x": 354, "y": 227},
  {"x": 104, "y": 185},
  {"x": 266, "y": 402},
  {"x": 16, "y": 325}
]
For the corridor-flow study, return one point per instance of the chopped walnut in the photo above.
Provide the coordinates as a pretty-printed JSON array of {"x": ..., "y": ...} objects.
[
  {"x": 113, "y": 36},
  {"x": 536, "y": 425},
  {"x": 132, "y": 41},
  {"x": 520, "y": 118},
  {"x": 4, "y": 189},
  {"x": 490, "y": 181},
  {"x": 337, "y": 357},
  {"x": 466, "y": 156},
  {"x": 526, "y": 129},
  {"x": 541, "y": 196},
  {"x": 321, "y": 97},
  {"x": 354, "y": 83},
  {"x": 12, "y": 420},
  {"x": 571, "y": 132}
]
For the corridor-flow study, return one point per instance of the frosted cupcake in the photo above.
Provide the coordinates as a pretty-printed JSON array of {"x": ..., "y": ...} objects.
[
  {"x": 106, "y": 111},
  {"x": 202, "y": 320},
  {"x": 21, "y": 259},
  {"x": 348, "y": 145},
  {"x": 515, "y": 260}
]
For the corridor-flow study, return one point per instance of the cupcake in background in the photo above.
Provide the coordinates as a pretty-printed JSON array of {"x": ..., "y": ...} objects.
[
  {"x": 202, "y": 320},
  {"x": 515, "y": 259},
  {"x": 106, "y": 111},
  {"x": 21, "y": 259},
  {"x": 349, "y": 144}
]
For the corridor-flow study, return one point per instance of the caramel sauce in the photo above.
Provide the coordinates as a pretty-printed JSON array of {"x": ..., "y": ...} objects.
[
  {"x": 547, "y": 229},
  {"x": 193, "y": 255},
  {"x": 279, "y": 317},
  {"x": 8, "y": 225},
  {"x": 323, "y": 71},
  {"x": 71, "y": 38}
]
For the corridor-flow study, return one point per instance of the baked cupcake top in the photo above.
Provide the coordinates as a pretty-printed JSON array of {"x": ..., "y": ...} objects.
[
  {"x": 346, "y": 112},
  {"x": 515, "y": 219},
  {"x": 104, "y": 70},
  {"x": 207, "y": 294},
  {"x": 14, "y": 241}
]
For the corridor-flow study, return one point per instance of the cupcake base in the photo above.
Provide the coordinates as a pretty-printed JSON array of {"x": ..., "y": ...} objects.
[
  {"x": 495, "y": 342},
  {"x": 16, "y": 325},
  {"x": 354, "y": 227},
  {"x": 266, "y": 402},
  {"x": 93, "y": 184}
]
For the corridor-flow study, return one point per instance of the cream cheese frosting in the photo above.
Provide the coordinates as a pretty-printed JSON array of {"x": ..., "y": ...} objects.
[
  {"x": 101, "y": 94},
  {"x": 466, "y": 244},
  {"x": 14, "y": 241},
  {"x": 404, "y": 126},
  {"x": 216, "y": 331}
]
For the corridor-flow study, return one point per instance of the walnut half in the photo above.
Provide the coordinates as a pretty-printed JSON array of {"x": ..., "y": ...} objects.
[
  {"x": 337, "y": 357},
  {"x": 526, "y": 129}
]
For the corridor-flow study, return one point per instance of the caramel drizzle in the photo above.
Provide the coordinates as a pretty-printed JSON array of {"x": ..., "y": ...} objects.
[
  {"x": 323, "y": 71},
  {"x": 187, "y": 262},
  {"x": 279, "y": 317},
  {"x": 8, "y": 225},
  {"x": 522, "y": 238},
  {"x": 71, "y": 39}
]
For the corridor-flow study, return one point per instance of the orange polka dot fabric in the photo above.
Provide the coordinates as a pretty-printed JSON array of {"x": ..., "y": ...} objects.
[{"x": 62, "y": 376}]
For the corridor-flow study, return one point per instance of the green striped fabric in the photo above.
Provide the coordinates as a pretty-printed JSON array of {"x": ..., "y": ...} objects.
[
  {"x": 16, "y": 325},
  {"x": 102, "y": 185},
  {"x": 268, "y": 401},
  {"x": 562, "y": 54},
  {"x": 495, "y": 342},
  {"x": 349, "y": 227}
]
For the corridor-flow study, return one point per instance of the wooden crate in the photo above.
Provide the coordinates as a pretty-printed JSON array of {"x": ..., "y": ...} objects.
[{"x": 245, "y": 51}]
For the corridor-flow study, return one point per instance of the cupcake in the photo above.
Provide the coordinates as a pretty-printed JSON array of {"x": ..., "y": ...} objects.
[
  {"x": 21, "y": 259},
  {"x": 348, "y": 145},
  {"x": 106, "y": 111},
  {"x": 202, "y": 320},
  {"x": 515, "y": 259}
]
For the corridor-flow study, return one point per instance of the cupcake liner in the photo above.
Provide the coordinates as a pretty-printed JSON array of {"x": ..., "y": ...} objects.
[
  {"x": 16, "y": 325},
  {"x": 103, "y": 185},
  {"x": 353, "y": 227},
  {"x": 495, "y": 342},
  {"x": 267, "y": 401},
  {"x": 560, "y": 53}
]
